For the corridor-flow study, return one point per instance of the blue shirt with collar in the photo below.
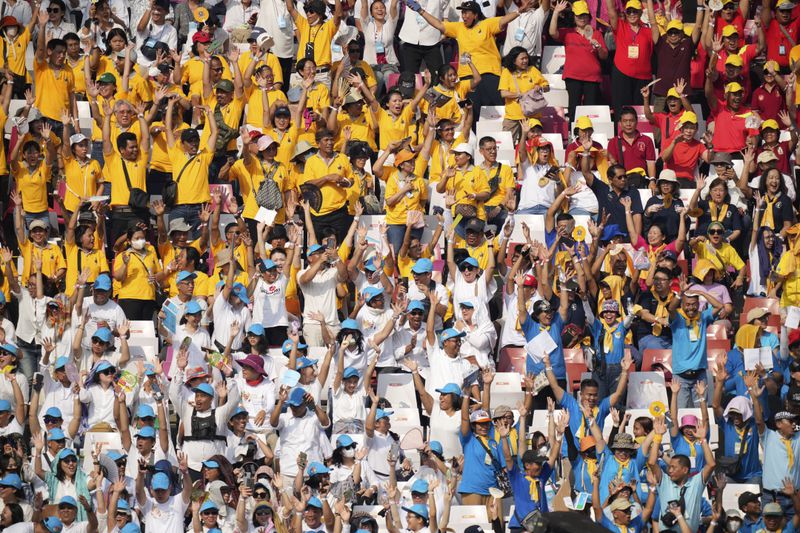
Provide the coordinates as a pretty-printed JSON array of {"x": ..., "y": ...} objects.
[
  {"x": 610, "y": 470},
  {"x": 531, "y": 328},
  {"x": 750, "y": 465},
  {"x": 669, "y": 491},
  {"x": 479, "y": 468},
  {"x": 776, "y": 460},
  {"x": 569, "y": 403},
  {"x": 751, "y": 526},
  {"x": 617, "y": 344},
  {"x": 635, "y": 525},
  {"x": 521, "y": 487},
  {"x": 688, "y": 354}
]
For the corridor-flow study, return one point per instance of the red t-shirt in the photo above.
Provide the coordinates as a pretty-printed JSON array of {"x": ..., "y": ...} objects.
[
  {"x": 778, "y": 45},
  {"x": 634, "y": 50},
  {"x": 730, "y": 132},
  {"x": 685, "y": 157},
  {"x": 581, "y": 61},
  {"x": 748, "y": 53},
  {"x": 768, "y": 103},
  {"x": 783, "y": 152},
  {"x": 720, "y": 23},
  {"x": 635, "y": 154},
  {"x": 667, "y": 123},
  {"x": 699, "y": 62}
]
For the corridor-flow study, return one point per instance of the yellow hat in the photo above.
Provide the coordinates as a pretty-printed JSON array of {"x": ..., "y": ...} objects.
[
  {"x": 535, "y": 122},
  {"x": 785, "y": 4},
  {"x": 735, "y": 60},
  {"x": 702, "y": 268},
  {"x": 403, "y": 156},
  {"x": 729, "y": 30},
  {"x": 637, "y": 170},
  {"x": 633, "y": 4},
  {"x": 673, "y": 93},
  {"x": 675, "y": 25},
  {"x": 733, "y": 87},
  {"x": 580, "y": 8},
  {"x": 688, "y": 117},
  {"x": 770, "y": 124},
  {"x": 775, "y": 66},
  {"x": 584, "y": 123}
]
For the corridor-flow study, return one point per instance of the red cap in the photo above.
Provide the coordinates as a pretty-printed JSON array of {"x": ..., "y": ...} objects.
[
  {"x": 255, "y": 134},
  {"x": 541, "y": 142},
  {"x": 8, "y": 21},
  {"x": 794, "y": 336},
  {"x": 530, "y": 281},
  {"x": 201, "y": 37}
]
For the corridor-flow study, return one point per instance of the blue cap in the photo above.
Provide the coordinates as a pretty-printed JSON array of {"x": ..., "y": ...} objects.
[
  {"x": 52, "y": 524},
  {"x": 61, "y": 362},
  {"x": 205, "y": 388},
  {"x": 351, "y": 372},
  {"x": 11, "y": 480},
  {"x": 349, "y": 323},
  {"x": 370, "y": 265},
  {"x": 192, "y": 308},
  {"x": 185, "y": 275},
  {"x": 305, "y": 362},
  {"x": 240, "y": 291},
  {"x": 160, "y": 481},
  {"x": 286, "y": 347},
  {"x": 467, "y": 303},
  {"x": 415, "y": 305},
  {"x": 422, "y": 266},
  {"x": 104, "y": 334},
  {"x": 314, "y": 502},
  {"x": 451, "y": 333},
  {"x": 5, "y": 405},
  {"x": 10, "y": 348},
  {"x": 371, "y": 293},
  {"x": 269, "y": 264},
  {"x": 149, "y": 370},
  {"x": 611, "y": 231},
  {"x": 102, "y": 283},
  {"x": 146, "y": 432},
  {"x": 145, "y": 411},
  {"x": 314, "y": 248},
  {"x": 256, "y": 329},
  {"x": 344, "y": 441},
  {"x": 418, "y": 509},
  {"x": 436, "y": 447},
  {"x": 450, "y": 388},
  {"x": 420, "y": 486},
  {"x": 130, "y": 527},
  {"x": 64, "y": 453},
  {"x": 316, "y": 469},
  {"x": 210, "y": 464},
  {"x": 208, "y": 505},
  {"x": 363, "y": 531},
  {"x": 238, "y": 411},
  {"x": 115, "y": 456},
  {"x": 103, "y": 365},
  {"x": 68, "y": 500},
  {"x": 56, "y": 434},
  {"x": 296, "y": 397},
  {"x": 470, "y": 261},
  {"x": 122, "y": 505},
  {"x": 54, "y": 412},
  {"x": 383, "y": 413}
]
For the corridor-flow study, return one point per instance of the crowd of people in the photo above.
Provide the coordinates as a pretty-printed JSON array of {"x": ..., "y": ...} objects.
[{"x": 231, "y": 228}]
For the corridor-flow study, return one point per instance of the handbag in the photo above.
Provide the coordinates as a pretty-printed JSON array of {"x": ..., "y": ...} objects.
[
  {"x": 269, "y": 195},
  {"x": 531, "y": 102},
  {"x": 225, "y": 134},
  {"x": 533, "y": 521},
  {"x": 730, "y": 466},
  {"x": 503, "y": 483},
  {"x": 170, "y": 191},
  {"x": 465, "y": 210},
  {"x": 137, "y": 198}
]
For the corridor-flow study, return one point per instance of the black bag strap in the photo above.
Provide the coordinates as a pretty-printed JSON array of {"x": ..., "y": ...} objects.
[
  {"x": 619, "y": 149},
  {"x": 184, "y": 168},
  {"x": 125, "y": 171},
  {"x": 495, "y": 462},
  {"x": 741, "y": 444},
  {"x": 80, "y": 254}
]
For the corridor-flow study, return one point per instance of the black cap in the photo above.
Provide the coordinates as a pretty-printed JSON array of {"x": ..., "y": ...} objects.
[
  {"x": 165, "y": 68},
  {"x": 282, "y": 111},
  {"x": 531, "y": 456},
  {"x": 470, "y": 5},
  {"x": 407, "y": 84},
  {"x": 190, "y": 135},
  {"x": 475, "y": 224},
  {"x": 747, "y": 497}
]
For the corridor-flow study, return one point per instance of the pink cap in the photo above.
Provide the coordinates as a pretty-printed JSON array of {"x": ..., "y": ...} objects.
[
  {"x": 688, "y": 420},
  {"x": 264, "y": 142}
]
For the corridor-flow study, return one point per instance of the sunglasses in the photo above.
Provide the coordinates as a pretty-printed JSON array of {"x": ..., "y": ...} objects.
[
  {"x": 98, "y": 340},
  {"x": 107, "y": 372},
  {"x": 715, "y": 232},
  {"x": 70, "y": 459},
  {"x": 416, "y": 313},
  {"x": 210, "y": 513},
  {"x": 53, "y": 10},
  {"x": 260, "y": 494},
  {"x": 262, "y": 513},
  {"x": 465, "y": 268},
  {"x": 51, "y": 420},
  {"x": 632, "y": 11}
]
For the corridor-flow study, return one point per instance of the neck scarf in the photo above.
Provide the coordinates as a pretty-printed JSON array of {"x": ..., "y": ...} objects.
[
  {"x": 591, "y": 466},
  {"x": 692, "y": 448},
  {"x": 608, "y": 337},
  {"x": 692, "y": 323},
  {"x": 742, "y": 441},
  {"x": 582, "y": 428},
  {"x": 717, "y": 214},
  {"x": 662, "y": 309},
  {"x": 768, "y": 219},
  {"x": 622, "y": 467},
  {"x": 534, "y": 488},
  {"x": 789, "y": 451}
]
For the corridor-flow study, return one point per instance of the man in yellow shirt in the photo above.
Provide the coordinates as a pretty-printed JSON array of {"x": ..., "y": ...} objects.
[
  {"x": 32, "y": 175},
  {"x": 53, "y": 78},
  {"x": 501, "y": 184},
  {"x": 190, "y": 167},
  {"x": 35, "y": 249},
  {"x": 331, "y": 172},
  {"x": 315, "y": 34}
]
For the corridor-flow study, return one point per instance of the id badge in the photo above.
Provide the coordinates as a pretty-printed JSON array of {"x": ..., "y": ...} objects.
[
  {"x": 633, "y": 51},
  {"x": 693, "y": 461},
  {"x": 336, "y": 49},
  {"x": 736, "y": 448},
  {"x": 282, "y": 22},
  {"x": 782, "y": 50},
  {"x": 488, "y": 460},
  {"x": 692, "y": 335},
  {"x": 192, "y": 27},
  {"x": 519, "y": 35},
  {"x": 379, "y": 49}
]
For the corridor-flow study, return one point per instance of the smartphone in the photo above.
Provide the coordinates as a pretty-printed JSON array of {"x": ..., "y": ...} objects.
[
  {"x": 38, "y": 381},
  {"x": 438, "y": 210},
  {"x": 303, "y": 458},
  {"x": 404, "y": 282},
  {"x": 330, "y": 243},
  {"x": 185, "y": 343},
  {"x": 249, "y": 480},
  {"x": 465, "y": 102}
]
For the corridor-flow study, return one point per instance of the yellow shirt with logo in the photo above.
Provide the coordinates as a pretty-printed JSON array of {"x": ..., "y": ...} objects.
[
  {"x": 472, "y": 180},
  {"x": 333, "y": 196},
  {"x": 137, "y": 172},
  {"x": 50, "y": 254},
  {"x": 250, "y": 176},
  {"x": 78, "y": 74},
  {"x": 192, "y": 73},
  {"x": 193, "y": 174},
  {"x": 53, "y": 89},
  {"x": 320, "y": 35},
  {"x": 441, "y": 157},
  {"x": 136, "y": 285},
  {"x": 95, "y": 261},
  {"x": 12, "y": 56},
  {"x": 451, "y": 109},
  {"x": 394, "y": 128},
  {"x": 255, "y": 105},
  {"x": 479, "y": 42},
  {"x": 519, "y": 82},
  {"x": 413, "y": 200},
  {"x": 287, "y": 141},
  {"x": 270, "y": 60},
  {"x": 721, "y": 258},
  {"x": 231, "y": 115},
  {"x": 159, "y": 158},
  {"x": 82, "y": 180},
  {"x": 362, "y": 128},
  {"x": 32, "y": 184},
  {"x": 505, "y": 182},
  {"x": 789, "y": 267}
]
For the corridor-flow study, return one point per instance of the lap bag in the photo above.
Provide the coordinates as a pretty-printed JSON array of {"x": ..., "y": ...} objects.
[
  {"x": 730, "y": 466},
  {"x": 137, "y": 198},
  {"x": 170, "y": 191}
]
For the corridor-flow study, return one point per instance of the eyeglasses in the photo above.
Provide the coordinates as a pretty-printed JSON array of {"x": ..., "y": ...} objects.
[
  {"x": 661, "y": 280},
  {"x": 450, "y": 128},
  {"x": 626, "y": 511},
  {"x": 53, "y": 10},
  {"x": 715, "y": 232}
]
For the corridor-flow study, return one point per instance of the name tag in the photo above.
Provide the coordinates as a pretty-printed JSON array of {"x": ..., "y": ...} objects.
[
  {"x": 519, "y": 35},
  {"x": 633, "y": 51},
  {"x": 420, "y": 19},
  {"x": 282, "y": 24},
  {"x": 693, "y": 335},
  {"x": 693, "y": 461},
  {"x": 782, "y": 50},
  {"x": 736, "y": 448},
  {"x": 336, "y": 49},
  {"x": 488, "y": 460},
  {"x": 379, "y": 49}
]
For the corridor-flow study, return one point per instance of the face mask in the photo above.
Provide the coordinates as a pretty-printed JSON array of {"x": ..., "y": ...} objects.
[
  {"x": 544, "y": 450},
  {"x": 348, "y": 452},
  {"x": 138, "y": 244},
  {"x": 733, "y": 525},
  {"x": 11, "y": 32}
]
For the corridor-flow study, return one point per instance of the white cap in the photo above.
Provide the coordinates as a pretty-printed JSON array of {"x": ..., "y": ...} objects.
[
  {"x": 464, "y": 148},
  {"x": 77, "y": 138},
  {"x": 264, "y": 142},
  {"x": 265, "y": 41}
]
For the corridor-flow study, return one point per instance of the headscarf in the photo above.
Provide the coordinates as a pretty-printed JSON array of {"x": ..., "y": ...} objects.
[
  {"x": 765, "y": 264},
  {"x": 747, "y": 336}
]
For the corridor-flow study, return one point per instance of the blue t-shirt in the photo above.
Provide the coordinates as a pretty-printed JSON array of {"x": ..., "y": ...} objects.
[
  {"x": 681, "y": 446},
  {"x": 635, "y": 525},
  {"x": 582, "y": 479},
  {"x": 531, "y": 328},
  {"x": 750, "y": 526},
  {"x": 693, "y": 497},
  {"x": 776, "y": 460},
  {"x": 690, "y": 354},
  {"x": 479, "y": 470},
  {"x": 617, "y": 343},
  {"x": 750, "y": 465},
  {"x": 576, "y": 419},
  {"x": 521, "y": 486},
  {"x": 612, "y": 469}
]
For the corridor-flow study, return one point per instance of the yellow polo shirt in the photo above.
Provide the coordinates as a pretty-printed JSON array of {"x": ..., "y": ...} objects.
[
  {"x": 78, "y": 74},
  {"x": 169, "y": 253},
  {"x": 12, "y": 56},
  {"x": 505, "y": 182},
  {"x": 479, "y": 42},
  {"x": 270, "y": 60},
  {"x": 450, "y": 110},
  {"x": 159, "y": 158},
  {"x": 321, "y": 35},
  {"x": 250, "y": 176},
  {"x": 362, "y": 128},
  {"x": 231, "y": 115},
  {"x": 82, "y": 180},
  {"x": 442, "y": 157},
  {"x": 192, "y": 73},
  {"x": 53, "y": 89},
  {"x": 788, "y": 266},
  {"x": 255, "y": 105},
  {"x": 32, "y": 184},
  {"x": 412, "y": 200},
  {"x": 363, "y": 65},
  {"x": 193, "y": 173},
  {"x": 394, "y": 129},
  {"x": 50, "y": 254},
  {"x": 3, "y": 164},
  {"x": 333, "y": 196},
  {"x": 480, "y": 253},
  {"x": 95, "y": 261},
  {"x": 287, "y": 140},
  {"x": 136, "y": 285},
  {"x": 137, "y": 172},
  {"x": 200, "y": 285},
  {"x": 473, "y": 180},
  {"x": 519, "y": 82},
  {"x": 722, "y": 258}
]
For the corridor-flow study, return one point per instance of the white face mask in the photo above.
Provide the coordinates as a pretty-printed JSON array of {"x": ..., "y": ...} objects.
[
  {"x": 11, "y": 31},
  {"x": 348, "y": 452},
  {"x": 544, "y": 450},
  {"x": 138, "y": 244},
  {"x": 733, "y": 525}
]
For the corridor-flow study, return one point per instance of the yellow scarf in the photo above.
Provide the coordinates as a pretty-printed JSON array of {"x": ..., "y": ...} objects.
[
  {"x": 608, "y": 337},
  {"x": 591, "y": 466},
  {"x": 622, "y": 467},
  {"x": 692, "y": 449},
  {"x": 789, "y": 451},
  {"x": 717, "y": 214},
  {"x": 767, "y": 219},
  {"x": 662, "y": 310},
  {"x": 742, "y": 442},
  {"x": 534, "y": 488},
  {"x": 582, "y": 428},
  {"x": 692, "y": 323}
]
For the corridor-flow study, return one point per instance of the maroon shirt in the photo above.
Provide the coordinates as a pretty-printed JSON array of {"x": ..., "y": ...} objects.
[
  {"x": 635, "y": 154},
  {"x": 768, "y": 103},
  {"x": 673, "y": 63}
]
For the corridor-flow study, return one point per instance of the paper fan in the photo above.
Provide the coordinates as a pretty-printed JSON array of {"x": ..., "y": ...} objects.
[
  {"x": 200, "y": 14},
  {"x": 715, "y": 5},
  {"x": 412, "y": 440},
  {"x": 579, "y": 233},
  {"x": 695, "y": 212},
  {"x": 657, "y": 408},
  {"x": 112, "y": 472},
  {"x": 312, "y": 195}
]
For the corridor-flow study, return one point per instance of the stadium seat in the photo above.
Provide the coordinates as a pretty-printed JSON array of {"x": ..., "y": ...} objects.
[
  {"x": 553, "y": 58},
  {"x": 512, "y": 359},
  {"x": 651, "y": 357},
  {"x": 772, "y": 305},
  {"x": 398, "y": 389},
  {"x": 716, "y": 331},
  {"x": 506, "y": 389}
]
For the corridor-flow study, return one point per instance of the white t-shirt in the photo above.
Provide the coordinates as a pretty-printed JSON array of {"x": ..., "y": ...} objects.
[
  {"x": 320, "y": 295},
  {"x": 200, "y": 340},
  {"x": 442, "y": 293},
  {"x": 379, "y": 446},
  {"x": 445, "y": 369},
  {"x": 168, "y": 516},
  {"x": 509, "y": 334},
  {"x": 257, "y": 398},
  {"x": 532, "y": 26},
  {"x": 532, "y": 193},
  {"x": 224, "y": 316},
  {"x": 110, "y": 312},
  {"x": 269, "y": 303},
  {"x": 476, "y": 292},
  {"x": 372, "y": 321},
  {"x": 101, "y": 404},
  {"x": 346, "y": 406},
  {"x": 446, "y": 429},
  {"x": 298, "y": 435}
]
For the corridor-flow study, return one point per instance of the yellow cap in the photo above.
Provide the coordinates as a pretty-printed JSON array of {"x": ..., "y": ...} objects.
[
  {"x": 734, "y": 60},
  {"x": 675, "y": 25},
  {"x": 580, "y": 8},
  {"x": 733, "y": 87},
  {"x": 584, "y": 123},
  {"x": 673, "y": 93},
  {"x": 633, "y": 4},
  {"x": 729, "y": 30},
  {"x": 770, "y": 124},
  {"x": 534, "y": 122},
  {"x": 688, "y": 117},
  {"x": 785, "y": 4},
  {"x": 775, "y": 66},
  {"x": 637, "y": 170}
]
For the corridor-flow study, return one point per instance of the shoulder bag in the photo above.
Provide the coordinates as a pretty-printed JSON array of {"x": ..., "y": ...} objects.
[
  {"x": 503, "y": 483},
  {"x": 730, "y": 466},
  {"x": 269, "y": 195},
  {"x": 170, "y": 191},
  {"x": 137, "y": 198},
  {"x": 531, "y": 102}
]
